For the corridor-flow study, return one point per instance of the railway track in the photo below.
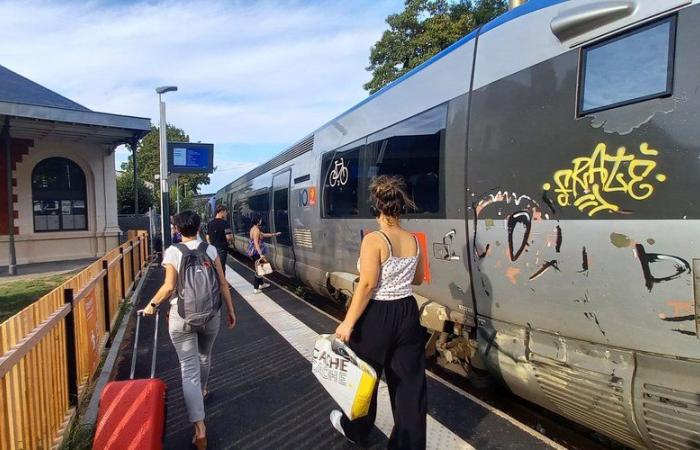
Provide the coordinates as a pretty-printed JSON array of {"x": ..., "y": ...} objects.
[{"x": 497, "y": 396}]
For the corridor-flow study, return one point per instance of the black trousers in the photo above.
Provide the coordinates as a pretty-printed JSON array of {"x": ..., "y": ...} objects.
[
  {"x": 258, "y": 280},
  {"x": 389, "y": 337},
  {"x": 223, "y": 254}
]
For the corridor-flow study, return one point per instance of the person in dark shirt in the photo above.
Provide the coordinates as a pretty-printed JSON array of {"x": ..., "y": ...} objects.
[{"x": 219, "y": 233}]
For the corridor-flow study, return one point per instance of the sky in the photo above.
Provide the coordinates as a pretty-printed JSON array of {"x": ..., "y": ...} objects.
[{"x": 253, "y": 76}]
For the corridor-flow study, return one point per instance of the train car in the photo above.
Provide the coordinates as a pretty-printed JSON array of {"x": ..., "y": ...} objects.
[{"x": 553, "y": 155}]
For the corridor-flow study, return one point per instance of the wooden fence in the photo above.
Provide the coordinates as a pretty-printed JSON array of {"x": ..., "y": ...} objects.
[{"x": 51, "y": 349}]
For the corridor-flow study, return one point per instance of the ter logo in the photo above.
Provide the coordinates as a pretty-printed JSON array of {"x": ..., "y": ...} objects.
[
  {"x": 307, "y": 197},
  {"x": 312, "y": 196}
]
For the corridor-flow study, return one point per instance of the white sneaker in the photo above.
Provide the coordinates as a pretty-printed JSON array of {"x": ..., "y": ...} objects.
[
  {"x": 257, "y": 291},
  {"x": 335, "y": 417},
  {"x": 264, "y": 285}
]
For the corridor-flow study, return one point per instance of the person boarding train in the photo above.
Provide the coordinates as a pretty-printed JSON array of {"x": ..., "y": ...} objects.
[{"x": 256, "y": 249}]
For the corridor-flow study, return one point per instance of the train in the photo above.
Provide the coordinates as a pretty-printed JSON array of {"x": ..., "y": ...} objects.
[{"x": 554, "y": 158}]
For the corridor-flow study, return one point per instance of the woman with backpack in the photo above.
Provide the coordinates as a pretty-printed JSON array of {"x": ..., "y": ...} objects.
[
  {"x": 256, "y": 249},
  {"x": 194, "y": 284},
  {"x": 382, "y": 325}
]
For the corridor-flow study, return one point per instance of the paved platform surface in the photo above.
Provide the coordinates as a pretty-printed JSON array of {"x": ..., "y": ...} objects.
[{"x": 263, "y": 394}]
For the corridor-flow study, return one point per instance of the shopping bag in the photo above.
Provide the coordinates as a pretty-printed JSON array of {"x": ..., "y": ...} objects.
[
  {"x": 262, "y": 268},
  {"x": 347, "y": 378}
]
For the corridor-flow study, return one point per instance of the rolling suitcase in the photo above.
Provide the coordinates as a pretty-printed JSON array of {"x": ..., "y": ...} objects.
[{"x": 132, "y": 412}]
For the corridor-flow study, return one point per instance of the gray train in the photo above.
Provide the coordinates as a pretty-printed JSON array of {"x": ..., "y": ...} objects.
[{"x": 554, "y": 156}]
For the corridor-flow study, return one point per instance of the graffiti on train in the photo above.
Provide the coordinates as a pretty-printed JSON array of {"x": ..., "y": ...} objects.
[
  {"x": 683, "y": 314},
  {"x": 678, "y": 265},
  {"x": 591, "y": 180},
  {"x": 521, "y": 212},
  {"x": 528, "y": 210}
]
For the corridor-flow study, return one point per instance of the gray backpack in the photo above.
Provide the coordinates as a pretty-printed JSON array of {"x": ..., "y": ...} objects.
[{"x": 198, "y": 291}]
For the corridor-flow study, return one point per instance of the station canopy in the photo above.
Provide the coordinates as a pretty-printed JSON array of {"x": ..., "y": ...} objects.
[{"x": 36, "y": 112}]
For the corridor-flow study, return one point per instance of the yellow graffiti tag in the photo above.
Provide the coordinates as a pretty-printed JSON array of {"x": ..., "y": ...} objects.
[{"x": 590, "y": 178}]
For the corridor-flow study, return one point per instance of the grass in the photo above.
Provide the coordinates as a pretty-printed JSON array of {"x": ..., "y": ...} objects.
[
  {"x": 16, "y": 295},
  {"x": 79, "y": 436}
]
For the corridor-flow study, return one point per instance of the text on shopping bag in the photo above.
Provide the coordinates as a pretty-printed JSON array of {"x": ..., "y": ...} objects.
[{"x": 330, "y": 366}]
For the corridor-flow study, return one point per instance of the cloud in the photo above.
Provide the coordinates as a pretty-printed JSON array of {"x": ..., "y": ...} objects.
[
  {"x": 227, "y": 171},
  {"x": 248, "y": 72}
]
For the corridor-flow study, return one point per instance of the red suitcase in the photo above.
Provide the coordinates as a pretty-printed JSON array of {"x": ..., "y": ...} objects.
[{"x": 132, "y": 412}]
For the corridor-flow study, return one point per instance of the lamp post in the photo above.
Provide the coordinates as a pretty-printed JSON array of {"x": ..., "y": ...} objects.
[
  {"x": 177, "y": 190},
  {"x": 164, "y": 205}
]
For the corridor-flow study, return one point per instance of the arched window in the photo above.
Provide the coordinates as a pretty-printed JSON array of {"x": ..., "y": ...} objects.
[{"x": 59, "y": 196}]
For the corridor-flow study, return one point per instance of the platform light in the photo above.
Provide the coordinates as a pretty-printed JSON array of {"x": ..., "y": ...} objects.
[
  {"x": 164, "y": 89},
  {"x": 164, "y": 209}
]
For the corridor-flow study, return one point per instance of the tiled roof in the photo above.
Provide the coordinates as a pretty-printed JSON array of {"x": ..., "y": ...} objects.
[{"x": 14, "y": 88}]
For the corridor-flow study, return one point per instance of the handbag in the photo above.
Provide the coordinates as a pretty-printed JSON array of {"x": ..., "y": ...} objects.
[{"x": 263, "y": 268}]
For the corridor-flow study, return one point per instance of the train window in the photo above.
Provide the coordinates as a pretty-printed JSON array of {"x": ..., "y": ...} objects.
[
  {"x": 630, "y": 68},
  {"x": 259, "y": 205},
  {"x": 281, "y": 202},
  {"x": 340, "y": 189},
  {"x": 245, "y": 209},
  {"x": 411, "y": 149},
  {"x": 239, "y": 220}
]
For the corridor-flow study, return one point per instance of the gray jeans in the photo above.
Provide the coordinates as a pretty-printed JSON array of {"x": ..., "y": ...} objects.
[{"x": 193, "y": 349}]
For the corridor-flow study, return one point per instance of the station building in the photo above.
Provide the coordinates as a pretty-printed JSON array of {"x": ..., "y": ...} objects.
[{"x": 59, "y": 201}]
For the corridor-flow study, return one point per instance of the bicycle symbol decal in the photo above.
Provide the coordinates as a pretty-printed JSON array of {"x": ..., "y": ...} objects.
[{"x": 339, "y": 175}]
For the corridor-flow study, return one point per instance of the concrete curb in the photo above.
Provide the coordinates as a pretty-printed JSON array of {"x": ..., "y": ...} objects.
[{"x": 90, "y": 415}]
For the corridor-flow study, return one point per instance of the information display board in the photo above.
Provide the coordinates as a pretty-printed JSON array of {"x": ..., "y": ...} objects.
[{"x": 190, "y": 157}]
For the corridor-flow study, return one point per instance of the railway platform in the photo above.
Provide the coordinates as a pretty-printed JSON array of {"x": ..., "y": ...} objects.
[{"x": 263, "y": 394}]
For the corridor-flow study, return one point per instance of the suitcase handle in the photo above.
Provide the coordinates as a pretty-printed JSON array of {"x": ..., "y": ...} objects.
[{"x": 136, "y": 343}]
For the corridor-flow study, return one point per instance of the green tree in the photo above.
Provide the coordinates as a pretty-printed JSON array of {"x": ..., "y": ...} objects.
[
  {"x": 148, "y": 162},
  {"x": 125, "y": 194},
  {"x": 421, "y": 30},
  {"x": 186, "y": 197}
]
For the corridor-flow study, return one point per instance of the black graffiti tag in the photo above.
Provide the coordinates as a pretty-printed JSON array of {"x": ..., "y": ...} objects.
[
  {"x": 523, "y": 218},
  {"x": 584, "y": 260},
  {"x": 647, "y": 259}
]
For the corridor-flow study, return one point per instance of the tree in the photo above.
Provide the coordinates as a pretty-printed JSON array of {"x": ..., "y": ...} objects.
[
  {"x": 423, "y": 29},
  {"x": 186, "y": 198},
  {"x": 148, "y": 162},
  {"x": 125, "y": 194}
]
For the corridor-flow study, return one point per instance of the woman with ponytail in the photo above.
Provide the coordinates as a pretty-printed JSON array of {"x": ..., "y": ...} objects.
[{"x": 382, "y": 325}]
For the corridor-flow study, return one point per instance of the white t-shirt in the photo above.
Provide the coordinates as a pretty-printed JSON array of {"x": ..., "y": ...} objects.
[{"x": 173, "y": 256}]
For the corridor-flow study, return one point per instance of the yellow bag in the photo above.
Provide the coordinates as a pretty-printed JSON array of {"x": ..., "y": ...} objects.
[{"x": 347, "y": 378}]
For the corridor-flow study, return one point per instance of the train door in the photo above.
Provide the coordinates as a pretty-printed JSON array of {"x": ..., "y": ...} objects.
[{"x": 282, "y": 249}]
